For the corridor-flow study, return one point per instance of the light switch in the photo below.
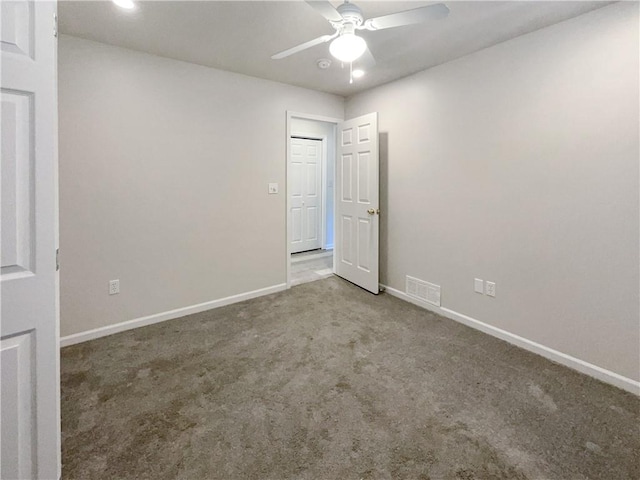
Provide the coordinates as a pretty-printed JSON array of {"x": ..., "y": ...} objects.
[
  {"x": 114, "y": 287},
  {"x": 273, "y": 188},
  {"x": 478, "y": 284},
  {"x": 491, "y": 289}
]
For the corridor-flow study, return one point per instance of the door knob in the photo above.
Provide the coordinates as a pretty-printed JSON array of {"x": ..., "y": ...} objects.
[{"x": 371, "y": 211}]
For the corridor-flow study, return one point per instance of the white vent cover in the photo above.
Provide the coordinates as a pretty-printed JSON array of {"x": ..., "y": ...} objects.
[{"x": 425, "y": 291}]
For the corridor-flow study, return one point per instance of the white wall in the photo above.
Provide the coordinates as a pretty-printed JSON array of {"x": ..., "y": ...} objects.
[
  {"x": 519, "y": 164},
  {"x": 164, "y": 167},
  {"x": 318, "y": 129}
]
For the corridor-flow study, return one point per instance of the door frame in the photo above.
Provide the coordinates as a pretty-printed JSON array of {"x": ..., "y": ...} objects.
[{"x": 289, "y": 133}]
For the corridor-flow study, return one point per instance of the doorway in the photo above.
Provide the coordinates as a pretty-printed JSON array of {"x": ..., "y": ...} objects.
[{"x": 310, "y": 198}]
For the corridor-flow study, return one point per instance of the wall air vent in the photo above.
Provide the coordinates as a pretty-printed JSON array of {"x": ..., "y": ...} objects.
[{"x": 425, "y": 291}]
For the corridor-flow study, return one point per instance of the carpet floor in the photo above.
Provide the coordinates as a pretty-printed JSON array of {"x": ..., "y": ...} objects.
[{"x": 326, "y": 381}]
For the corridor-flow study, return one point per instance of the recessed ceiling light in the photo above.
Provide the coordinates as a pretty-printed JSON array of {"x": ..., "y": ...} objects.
[
  {"x": 357, "y": 73},
  {"x": 126, "y": 4}
]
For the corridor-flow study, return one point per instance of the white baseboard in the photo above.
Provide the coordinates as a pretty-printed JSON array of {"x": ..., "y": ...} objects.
[
  {"x": 171, "y": 314},
  {"x": 600, "y": 373}
]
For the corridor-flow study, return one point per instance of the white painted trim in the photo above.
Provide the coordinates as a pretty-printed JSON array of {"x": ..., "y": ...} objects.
[
  {"x": 307, "y": 135},
  {"x": 309, "y": 116},
  {"x": 171, "y": 314},
  {"x": 335, "y": 195},
  {"x": 289, "y": 117},
  {"x": 325, "y": 184},
  {"x": 581, "y": 366}
]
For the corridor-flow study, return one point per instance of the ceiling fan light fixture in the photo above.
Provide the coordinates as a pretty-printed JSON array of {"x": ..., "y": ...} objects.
[
  {"x": 348, "y": 47},
  {"x": 126, "y": 4}
]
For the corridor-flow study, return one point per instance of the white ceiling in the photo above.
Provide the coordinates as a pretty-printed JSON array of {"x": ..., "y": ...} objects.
[{"x": 241, "y": 36}]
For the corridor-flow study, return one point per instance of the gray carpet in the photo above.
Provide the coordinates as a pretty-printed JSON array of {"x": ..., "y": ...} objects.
[{"x": 326, "y": 381}]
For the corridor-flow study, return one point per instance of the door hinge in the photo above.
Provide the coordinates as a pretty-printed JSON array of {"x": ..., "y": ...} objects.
[
  {"x": 57, "y": 259},
  {"x": 55, "y": 25}
]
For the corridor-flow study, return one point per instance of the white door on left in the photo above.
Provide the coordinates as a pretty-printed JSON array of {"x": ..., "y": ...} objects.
[
  {"x": 305, "y": 194},
  {"x": 29, "y": 346}
]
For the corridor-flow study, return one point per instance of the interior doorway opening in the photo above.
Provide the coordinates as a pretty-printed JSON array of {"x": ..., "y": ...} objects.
[
  {"x": 311, "y": 265},
  {"x": 311, "y": 159}
]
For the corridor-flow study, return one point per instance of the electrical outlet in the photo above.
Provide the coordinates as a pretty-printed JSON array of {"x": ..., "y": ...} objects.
[
  {"x": 273, "y": 188},
  {"x": 491, "y": 289},
  {"x": 114, "y": 287},
  {"x": 478, "y": 285}
]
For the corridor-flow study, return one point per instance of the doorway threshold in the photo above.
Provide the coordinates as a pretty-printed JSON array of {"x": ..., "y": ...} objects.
[{"x": 310, "y": 255}]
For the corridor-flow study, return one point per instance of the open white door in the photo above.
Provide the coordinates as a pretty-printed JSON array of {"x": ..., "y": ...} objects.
[
  {"x": 357, "y": 213},
  {"x": 29, "y": 345}
]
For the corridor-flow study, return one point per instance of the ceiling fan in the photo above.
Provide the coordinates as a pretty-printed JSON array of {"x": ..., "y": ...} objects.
[{"x": 347, "y": 18}]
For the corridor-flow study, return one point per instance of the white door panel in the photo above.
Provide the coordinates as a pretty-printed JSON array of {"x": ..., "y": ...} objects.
[
  {"x": 296, "y": 225},
  {"x": 16, "y": 33},
  {"x": 29, "y": 348},
  {"x": 17, "y": 185},
  {"x": 16, "y": 397},
  {"x": 346, "y": 184},
  {"x": 346, "y": 254},
  {"x": 305, "y": 187},
  {"x": 365, "y": 232},
  {"x": 357, "y": 208}
]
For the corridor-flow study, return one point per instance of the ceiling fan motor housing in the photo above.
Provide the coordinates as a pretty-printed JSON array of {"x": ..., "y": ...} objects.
[{"x": 351, "y": 13}]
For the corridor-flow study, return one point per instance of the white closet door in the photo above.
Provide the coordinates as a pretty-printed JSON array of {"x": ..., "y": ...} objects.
[
  {"x": 29, "y": 346},
  {"x": 357, "y": 213},
  {"x": 305, "y": 188}
]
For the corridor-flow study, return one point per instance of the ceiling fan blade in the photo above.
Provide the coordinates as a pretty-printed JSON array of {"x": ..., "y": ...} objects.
[
  {"x": 408, "y": 17},
  {"x": 324, "y": 8},
  {"x": 303, "y": 46},
  {"x": 366, "y": 61}
]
